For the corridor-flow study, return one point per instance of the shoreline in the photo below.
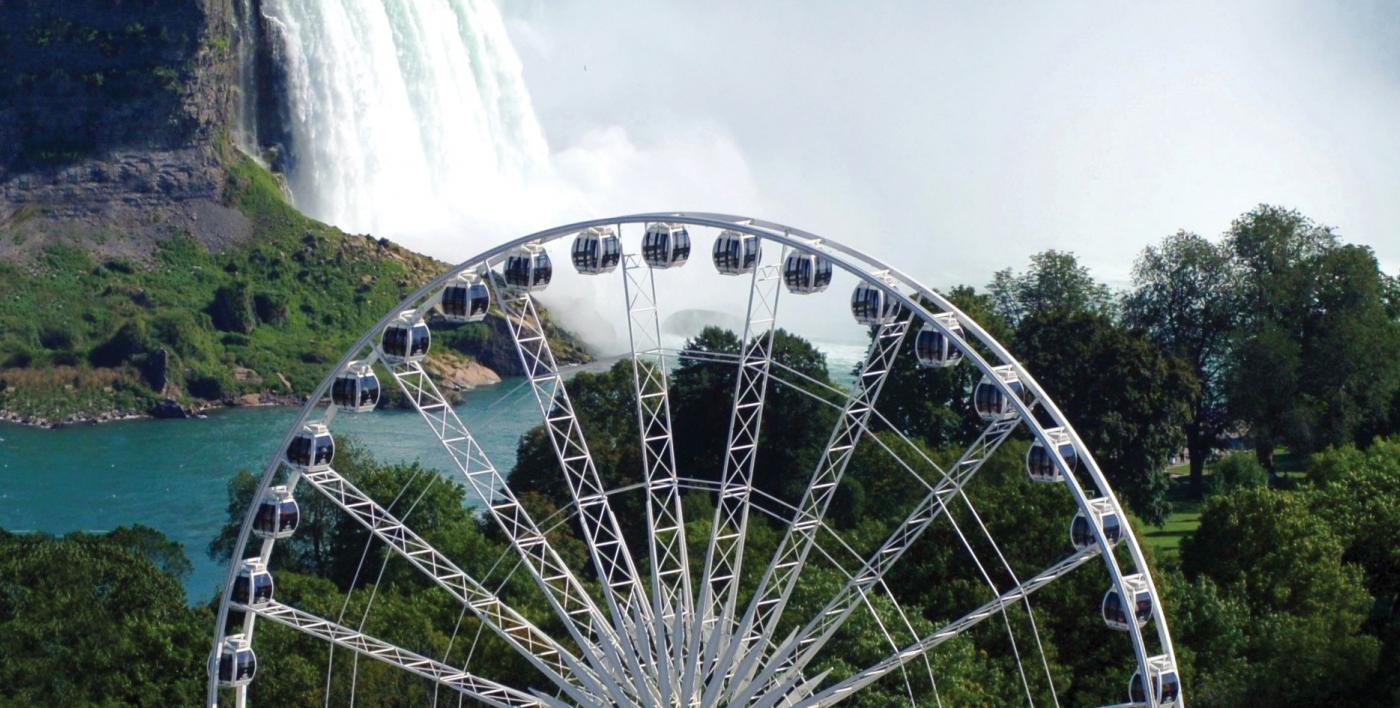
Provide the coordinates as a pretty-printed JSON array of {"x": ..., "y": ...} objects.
[{"x": 457, "y": 380}]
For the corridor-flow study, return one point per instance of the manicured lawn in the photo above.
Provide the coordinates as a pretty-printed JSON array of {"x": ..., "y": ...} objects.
[{"x": 1183, "y": 520}]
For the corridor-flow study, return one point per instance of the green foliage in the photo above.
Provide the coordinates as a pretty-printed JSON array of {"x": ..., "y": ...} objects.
[
  {"x": 1237, "y": 471},
  {"x": 1125, "y": 398},
  {"x": 90, "y": 620},
  {"x": 1054, "y": 282},
  {"x": 313, "y": 297},
  {"x": 1303, "y": 642},
  {"x": 232, "y": 308},
  {"x": 1184, "y": 299},
  {"x": 1314, "y": 360},
  {"x": 934, "y": 404}
]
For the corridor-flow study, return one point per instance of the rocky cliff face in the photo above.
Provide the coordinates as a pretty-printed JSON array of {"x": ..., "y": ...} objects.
[{"x": 113, "y": 124}]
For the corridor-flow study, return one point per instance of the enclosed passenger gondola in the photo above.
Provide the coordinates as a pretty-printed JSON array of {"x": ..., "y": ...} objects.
[
  {"x": 465, "y": 299},
  {"x": 1115, "y": 615},
  {"x": 313, "y": 449},
  {"x": 872, "y": 306},
  {"x": 988, "y": 399},
  {"x": 596, "y": 250},
  {"x": 278, "y": 514},
  {"x": 405, "y": 340},
  {"x": 356, "y": 389},
  {"x": 1081, "y": 533},
  {"x": 736, "y": 253},
  {"x": 806, "y": 273},
  {"x": 237, "y": 664},
  {"x": 1040, "y": 463},
  {"x": 936, "y": 350},
  {"x": 252, "y": 587},
  {"x": 665, "y": 245},
  {"x": 528, "y": 268},
  {"x": 1166, "y": 687}
]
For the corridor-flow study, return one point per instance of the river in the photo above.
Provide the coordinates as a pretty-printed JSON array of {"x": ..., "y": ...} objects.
[{"x": 172, "y": 475}]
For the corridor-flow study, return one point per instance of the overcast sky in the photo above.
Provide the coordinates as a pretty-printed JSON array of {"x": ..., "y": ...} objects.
[{"x": 960, "y": 139}]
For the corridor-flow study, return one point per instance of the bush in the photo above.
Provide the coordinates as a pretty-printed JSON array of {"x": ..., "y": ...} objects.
[
  {"x": 1237, "y": 471},
  {"x": 271, "y": 308},
  {"x": 58, "y": 337},
  {"x": 210, "y": 387},
  {"x": 232, "y": 308},
  {"x": 131, "y": 339},
  {"x": 179, "y": 330}
]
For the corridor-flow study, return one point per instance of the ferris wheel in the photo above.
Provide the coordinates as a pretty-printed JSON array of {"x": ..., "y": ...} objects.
[{"x": 680, "y": 617}]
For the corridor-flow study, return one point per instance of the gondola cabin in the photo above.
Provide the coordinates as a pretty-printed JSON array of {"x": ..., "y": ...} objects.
[
  {"x": 528, "y": 268},
  {"x": 252, "y": 587},
  {"x": 1081, "y": 533},
  {"x": 736, "y": 253},
  {"x": 465, "y": 299},
  {"x": 1166, "y": 687},
  {"x": 936, "y": 350},
  {"x": 356, "y": 389},
  {"x": 872, "y": 306},
  {"x": 278, "y": 514},
  {"x": 1115, "y": 615},
  {"x": 665, "y": 245},
  {"x": 596, "y": 251},
  {"x": 405, "y": 340},
  {"x": 312, "y": 449},
  {"x": 237, "y": 664},
  {"x": 989, "y": 401},
  {"x": 806, "y": 273},
  {"x": 1040, "y": 463}
]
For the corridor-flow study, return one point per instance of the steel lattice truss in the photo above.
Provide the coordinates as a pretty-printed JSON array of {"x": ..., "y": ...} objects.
[{"x": 680, "y": 619}]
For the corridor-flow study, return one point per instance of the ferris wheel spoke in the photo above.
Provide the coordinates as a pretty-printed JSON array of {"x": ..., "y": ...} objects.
[
  {"x": 782, "y": 573},
  {"x": 470, "y": 685},
  {"x": 565, "y": 593},
  {"x": 606, "y": 545},
  {"x": 724, "y": 555},
  {"x": 821, "y": 628},
  {"x": 671, "y": 588},
  {"x": 1025, "y": 599},
  {"x": 1017, "y": 594},
  {"x": 546, "y": 654},
  {"x": 780, "y": 510}
]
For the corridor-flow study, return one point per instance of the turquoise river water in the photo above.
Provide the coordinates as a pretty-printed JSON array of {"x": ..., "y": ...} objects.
[{"x": 172, "y": 475}]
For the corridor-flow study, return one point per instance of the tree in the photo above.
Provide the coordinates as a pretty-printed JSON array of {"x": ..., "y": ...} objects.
[
  {"x": 1317, "y": 335},
  {"x": 1054, "y": 281},
  {"x": 86, "y": 621},
  {"x": 1357, "y": 492},
  {"x": 1304, "y": 643},
  {"x": 1184, "y": 299},
  {"x": 794, "y": 430},
  {"x": 933, "y": 404},
  {"x": 1127, "y": 400}
]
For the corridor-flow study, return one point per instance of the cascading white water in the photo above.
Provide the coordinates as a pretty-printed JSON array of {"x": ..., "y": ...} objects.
[{"x": 407, "y": 117}]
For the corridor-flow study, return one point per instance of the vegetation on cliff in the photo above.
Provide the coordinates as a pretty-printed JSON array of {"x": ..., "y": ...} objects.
[{"x": 80, "y": 337}]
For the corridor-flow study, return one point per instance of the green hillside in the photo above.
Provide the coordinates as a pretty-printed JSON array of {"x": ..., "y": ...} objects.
[{"x": 87, "y": 338}]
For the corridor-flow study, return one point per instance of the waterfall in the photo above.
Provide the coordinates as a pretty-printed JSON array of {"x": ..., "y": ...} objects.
[{"x": 402, "y": 118}]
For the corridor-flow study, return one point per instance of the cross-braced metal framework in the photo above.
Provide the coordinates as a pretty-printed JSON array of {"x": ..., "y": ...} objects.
[
  {"x": 671, "y": 590},
  {"x": 647, "y": 622}
]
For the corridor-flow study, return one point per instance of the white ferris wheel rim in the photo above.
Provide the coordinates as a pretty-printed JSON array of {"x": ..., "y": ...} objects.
[{"x": 915, "y": 297}]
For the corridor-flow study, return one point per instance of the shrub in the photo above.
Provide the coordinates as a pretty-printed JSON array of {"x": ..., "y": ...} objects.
[
  {"x": 131, "y": 339},
  {"x": 271, "y": 308},
  {"x": 179, "y": 330},
  {"x": 232, "y": 308},
  {"x": 1237, "y": 471}
]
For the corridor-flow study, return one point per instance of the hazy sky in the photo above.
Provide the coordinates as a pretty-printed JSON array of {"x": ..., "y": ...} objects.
[{"x": 960, "y": 139}]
